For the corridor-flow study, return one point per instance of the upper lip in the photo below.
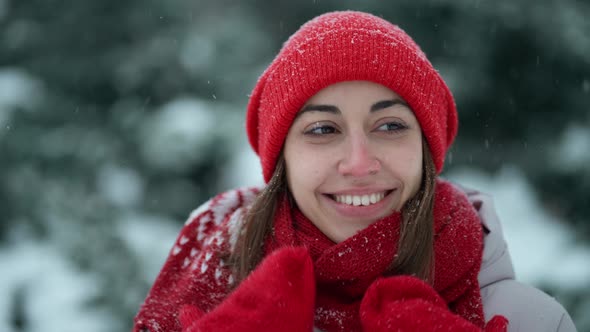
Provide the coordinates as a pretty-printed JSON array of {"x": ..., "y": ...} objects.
[{"x": 361, "y": 191}]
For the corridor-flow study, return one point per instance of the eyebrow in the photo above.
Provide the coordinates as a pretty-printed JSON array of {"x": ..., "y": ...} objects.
[
  {"x": 335, "y": 110},
  {"x": 387, "y": 103}
]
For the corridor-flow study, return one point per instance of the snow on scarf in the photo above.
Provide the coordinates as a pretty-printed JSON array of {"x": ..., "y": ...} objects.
[{"x": 347, "y": 275}]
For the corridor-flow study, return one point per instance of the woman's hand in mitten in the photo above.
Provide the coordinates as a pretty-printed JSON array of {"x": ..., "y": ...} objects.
[
  {"x": 278, "y": 295},
  {"x": 405, "y": 303}
]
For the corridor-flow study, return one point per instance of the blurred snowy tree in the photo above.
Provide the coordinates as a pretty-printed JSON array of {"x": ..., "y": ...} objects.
[
  {"x": 117, "y": 118},
  {"x": 105, "y": 120}
]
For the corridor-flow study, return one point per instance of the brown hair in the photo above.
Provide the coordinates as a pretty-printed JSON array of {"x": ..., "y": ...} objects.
[{"x": 415, "y": 251}]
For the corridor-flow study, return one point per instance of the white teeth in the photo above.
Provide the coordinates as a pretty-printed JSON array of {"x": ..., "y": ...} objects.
[
  {"x": 356, "y": 200},
  {"x": 347, "y": 200},
  {"x": 365, "y": 200},
  {"x": 373, "y": 198}
]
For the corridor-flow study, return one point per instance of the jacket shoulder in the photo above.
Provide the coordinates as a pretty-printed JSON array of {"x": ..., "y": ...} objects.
[
  {"x": 216, "y": 220},
  {"x": 195, "y": 272},
  {"x": 223, "y": 204},
  {"x": 525, "y": 307}
]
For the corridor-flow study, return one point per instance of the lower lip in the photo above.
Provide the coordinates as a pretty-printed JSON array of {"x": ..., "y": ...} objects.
[{"x": 377, "y": 210}]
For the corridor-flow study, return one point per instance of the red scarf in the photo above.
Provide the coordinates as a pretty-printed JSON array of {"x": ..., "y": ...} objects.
[
  {"x": 194, "y": 274},
  {"x": 345, "y": 270}
]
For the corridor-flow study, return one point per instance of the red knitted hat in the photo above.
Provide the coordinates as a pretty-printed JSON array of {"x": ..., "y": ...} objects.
[{"x": 347, "y": 46}]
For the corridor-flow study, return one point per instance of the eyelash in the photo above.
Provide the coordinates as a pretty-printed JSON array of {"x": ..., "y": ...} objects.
[
  {"x": 330, "y": 130},
  {"x": 322, "y": 127},
  {"x": 398, "y": 126}
]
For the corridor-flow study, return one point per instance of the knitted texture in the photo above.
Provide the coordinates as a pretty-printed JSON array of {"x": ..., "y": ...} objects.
[
  {"x": 405, "y": 303},
  {"x": 194, "y": 272},
  {"x": 347, "y": 46},
  {"x": 288, "y": 274},
  {"x": 192, "y": 292},
  {"x": 344, "y": 271}
]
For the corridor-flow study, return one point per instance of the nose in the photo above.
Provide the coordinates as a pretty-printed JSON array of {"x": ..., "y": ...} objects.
[{"x": 358, "y": 158}]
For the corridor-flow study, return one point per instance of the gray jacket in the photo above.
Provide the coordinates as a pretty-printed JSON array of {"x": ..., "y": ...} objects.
[{"x": 527, "y": 308}]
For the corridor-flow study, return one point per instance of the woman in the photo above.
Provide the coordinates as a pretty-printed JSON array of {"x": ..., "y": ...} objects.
[{"x": 353, "y": 231}]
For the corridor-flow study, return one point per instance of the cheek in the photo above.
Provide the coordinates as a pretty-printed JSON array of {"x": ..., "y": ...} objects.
[
  {"x": 406, "y": 163},
  {"x": 303, "y": 174},
  {"x": 307, "y": 165},
  {"x": 413, "y": 172},
  {"x": 416, "y": 174},
  {"x": 300, "y": 173}
]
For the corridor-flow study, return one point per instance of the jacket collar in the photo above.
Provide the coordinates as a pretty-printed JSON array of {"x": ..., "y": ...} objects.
[{"x": 496, "y": 262}]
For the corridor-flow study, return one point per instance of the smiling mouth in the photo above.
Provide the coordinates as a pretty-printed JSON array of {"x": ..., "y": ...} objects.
[{"x": 358, "y": 200}]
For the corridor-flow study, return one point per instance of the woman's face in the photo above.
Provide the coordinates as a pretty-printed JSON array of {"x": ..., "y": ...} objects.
[{"x": 353, "y": 155}]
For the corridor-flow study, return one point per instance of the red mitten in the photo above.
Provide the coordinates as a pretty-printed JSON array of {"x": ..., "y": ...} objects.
[
  {"x": 189, "y": 314},
  {"x": 278, "y": 295},
  {"x": 497, "y": 324},
  {"x": 405, "y": 303}
]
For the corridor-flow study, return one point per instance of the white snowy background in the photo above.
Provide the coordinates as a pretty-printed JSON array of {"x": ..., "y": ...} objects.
[{"x": 53, "y": 293}]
